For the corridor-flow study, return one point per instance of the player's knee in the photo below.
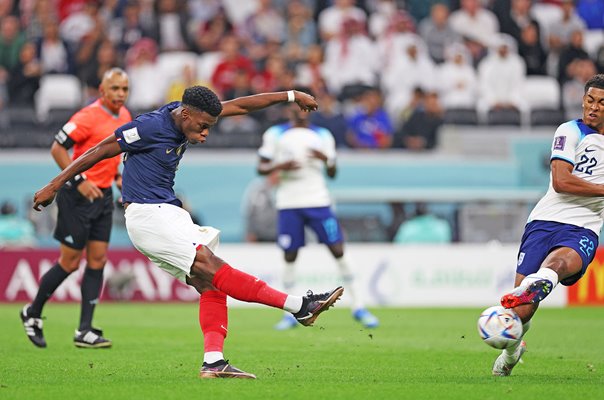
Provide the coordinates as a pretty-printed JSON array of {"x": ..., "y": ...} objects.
[{"x": 97, "y": 262}]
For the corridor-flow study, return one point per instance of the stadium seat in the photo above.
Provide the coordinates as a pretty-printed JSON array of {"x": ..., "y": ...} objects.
[
  {"x": 504, "y": 117},
  {"x": 171, "y": 64},
  {"x": 461, "y": 116},
  {"x": 57, "y": 92},
  {"x": 206, "y": 64},
  {"x": 542, "y": 94}
]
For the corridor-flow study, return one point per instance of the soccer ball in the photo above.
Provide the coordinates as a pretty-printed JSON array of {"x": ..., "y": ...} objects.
[{"x": 499, "y": 327}]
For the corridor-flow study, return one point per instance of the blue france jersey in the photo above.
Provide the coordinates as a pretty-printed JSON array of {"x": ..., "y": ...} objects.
[{"x": 153, "y": 147}]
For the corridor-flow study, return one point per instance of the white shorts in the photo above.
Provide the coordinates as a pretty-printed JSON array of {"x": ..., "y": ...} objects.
[{"x": 166, "y": 234}]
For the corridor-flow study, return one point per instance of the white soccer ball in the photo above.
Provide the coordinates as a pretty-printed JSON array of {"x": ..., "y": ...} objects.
[{"x": 499, "y": 327}]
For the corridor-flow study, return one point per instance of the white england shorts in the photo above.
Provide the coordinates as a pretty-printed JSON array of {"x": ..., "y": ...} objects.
[{"x": 166, "y": 234}]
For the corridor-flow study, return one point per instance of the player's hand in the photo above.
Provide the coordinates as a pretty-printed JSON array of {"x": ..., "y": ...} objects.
[
  {"x": 305, "y": 101},
  {"x": 289, "y": 165},
  {"x": 89, "y": 190},
  {"x": 314, "y": 153},
  {"x": 44, "y": 197}
]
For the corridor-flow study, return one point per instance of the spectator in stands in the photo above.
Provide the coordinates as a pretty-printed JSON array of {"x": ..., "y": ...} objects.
[
  {"x": 170, "y": 26},
  {"x": 232, "y": 61},
  {"x": 259, "y": 209},
  {"x": 393, "y": 41},
  {"x": 265, "y": 24},
  {"x": 14, "y": 230},
  {"x": 141, "y": 65},
  {"x": 25, "y": 77},
  {"x": 309, "y": 73},
  {"x": 437, "y": 33},
  {"x": 105, "y": 59},
  {"x": 350, "y": 58},
  {"x": 420, "y": 132},
  {"x": 80, "y": 22},
  {"x": 332, "y": 18},
  {"x": 53, "y": 51},
  {"x": 517, "y": 18},
  {"x": 126, "y": 30},
  {"x": 573, "y": 51},
  {"x": 270, "y": 78},
  {"x": 573, "y": 89},
  {"x": 330, "y": 116},
  {"x": 532, "y": 51},
  {"x": 386, "y": 16},
  {"x": 560, "y": 33},
  {"x": 11, "y": 41},
  {"x": 424, "y": 227},
  {"x": 458, "y": 79},
  {"x": 477, "y": 25},
  {"x": 41, "y": 13},
  {"x": 369, "y": 126},
  {"x": 501, "y": 75},
  {"x": 187, "y": 79},
  {"x": 209, "y": 33},
  {"x": 301, "y": 32},
  {"x": 419, "y": 71}
]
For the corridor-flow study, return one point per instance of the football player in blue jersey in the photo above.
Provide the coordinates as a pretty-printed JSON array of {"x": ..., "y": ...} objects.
[
  {"x": 154, "y": 143},
  {"x": 561, "y": 236}
]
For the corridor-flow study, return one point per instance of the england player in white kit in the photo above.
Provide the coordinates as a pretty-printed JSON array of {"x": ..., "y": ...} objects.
[
  {"x": 303, "y": 153},
  {"x": 154, "y": 143},
  {"x": 561, "y": 235}
]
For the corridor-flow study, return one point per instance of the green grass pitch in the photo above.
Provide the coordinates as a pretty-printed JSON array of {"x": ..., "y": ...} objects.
[{"x": 414, "y": 354}]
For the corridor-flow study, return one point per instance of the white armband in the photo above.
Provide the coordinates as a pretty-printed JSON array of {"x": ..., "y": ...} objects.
[{"x": 291, "y": 97}]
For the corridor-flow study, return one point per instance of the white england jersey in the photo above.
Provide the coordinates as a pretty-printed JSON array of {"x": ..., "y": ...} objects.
[
  {"x": 304, "y": 187},
  {"x": 583, "y": 147}
]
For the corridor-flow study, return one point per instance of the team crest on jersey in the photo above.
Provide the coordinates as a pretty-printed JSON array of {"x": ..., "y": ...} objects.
[
  {"x": 559, "y": 142},
  {"x": 520, "y": 258},
  {"x": 131, "y": 135}
]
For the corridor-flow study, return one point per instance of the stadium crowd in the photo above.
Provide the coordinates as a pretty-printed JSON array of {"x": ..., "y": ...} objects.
[{"x": 387, "y": 73}]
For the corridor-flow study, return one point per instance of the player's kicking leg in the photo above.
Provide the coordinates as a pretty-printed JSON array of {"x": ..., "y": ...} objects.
[{"x": 533, "y": 289}]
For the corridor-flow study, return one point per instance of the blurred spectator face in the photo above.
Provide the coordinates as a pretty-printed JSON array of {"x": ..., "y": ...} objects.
[
  {"x": 503, "y": 50},
  {"x": 568, "y": 6},
  {"x": 131, "y": 13},
  {"x": 230, "y": 47},
  {"x": 412, "y": 51},
  {"x": 439, "y": 14},
  {"x": 521, "y": 7},
  {"x": 6, "y": 7},
  {"x": 585, "y": 69},
  {"x": 576, "y": 39},
  {"x": 344, "y": 3},
  {"x": 529, "y": 34},
  {"x": 9, "y": 28},
  {"x": 470, "y": 6},
  {"x": 167, "y": 6},
  {"x": 372, "y": 101},
  {"x": 432, "y": 103},
  {"x": 315, "y": 55},
  {"x": 51, "y": 31},
  {"x": 106, "y": 53},
  {"x": 28, "y": 53}
]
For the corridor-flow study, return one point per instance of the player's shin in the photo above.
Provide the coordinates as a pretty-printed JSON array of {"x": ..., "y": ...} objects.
[
  {"x": 245, "y": 287},
  {"x": 509, "y": 353},
  {"x": 213, "y": 320}
]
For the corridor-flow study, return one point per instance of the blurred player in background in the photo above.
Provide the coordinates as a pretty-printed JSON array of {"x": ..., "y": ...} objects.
[
  {"x": 561, "y": 237},
  {"x": 300, "y": 151},
  {"x": 85, "y": 204},
  {"x": 162, "y": 230}
]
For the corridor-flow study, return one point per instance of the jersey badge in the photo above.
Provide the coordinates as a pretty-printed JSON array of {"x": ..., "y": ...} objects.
[
  {"x": 131, "y": 135},
  {"x": 559, "y": 142}
]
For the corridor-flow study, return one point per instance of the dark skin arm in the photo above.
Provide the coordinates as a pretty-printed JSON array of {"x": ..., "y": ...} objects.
[
  {"x": 106, "y": 149},
  {"x": 62, "y": 158},
  {"x": 248, "y": 104},
  {"x": 564, "y": 181}
]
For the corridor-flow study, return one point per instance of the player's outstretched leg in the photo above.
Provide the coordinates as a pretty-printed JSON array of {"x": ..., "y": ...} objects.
[
  {"x": 504, "y": 364},
  {"x": 531, "y": 293},
  {"x": 365, "y": 317},
  {"x": 222, "y": 369},
  {"x": 315, "y": 304},
  {"x": 33, "y": 328}
]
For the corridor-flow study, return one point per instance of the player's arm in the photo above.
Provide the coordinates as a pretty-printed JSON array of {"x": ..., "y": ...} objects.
[
  {"x": 106, "y": 149},
  {"x": 266, "y": 166},
  {"x": 564, "y": 181},
  {"x": 330, "y": 165},
  {"x": 248, "y": 104},
  {"x": 60, "y": 153}
]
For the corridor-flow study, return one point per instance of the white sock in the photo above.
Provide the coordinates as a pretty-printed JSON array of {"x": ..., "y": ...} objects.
[
  {"x": 543, "y": 273},
  {"x": 293, "y": 304},
  {"x": 349, "y": 282},
  {"x": 212, "y": 356},
  {"x": 509, "y": 352}
]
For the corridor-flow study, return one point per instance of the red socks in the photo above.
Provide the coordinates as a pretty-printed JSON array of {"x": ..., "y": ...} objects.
[
  {"x": 245, "y": 287},
  {"x": 213, "y": 319}
]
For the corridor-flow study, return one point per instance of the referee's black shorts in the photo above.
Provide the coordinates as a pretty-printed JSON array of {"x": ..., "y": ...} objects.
[{"x": 80, "y": 220}]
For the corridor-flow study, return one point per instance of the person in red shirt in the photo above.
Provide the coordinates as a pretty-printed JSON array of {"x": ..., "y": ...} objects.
[{"x": 85, "y": 205}]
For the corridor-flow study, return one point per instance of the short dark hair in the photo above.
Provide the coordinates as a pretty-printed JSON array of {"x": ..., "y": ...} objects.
[
  {"x": 596, "y": 81},
  {"x": 203, "y": 99}
]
